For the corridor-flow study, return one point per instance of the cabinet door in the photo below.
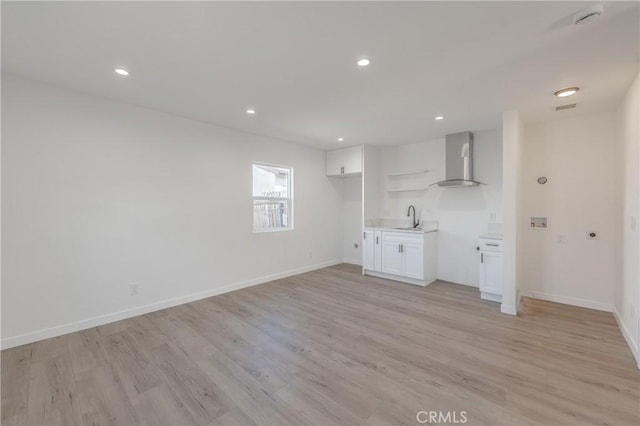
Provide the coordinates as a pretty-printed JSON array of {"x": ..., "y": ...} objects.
[
  {"x": 413, "y": 259},
  {"x": 352, "y": 159},
  {"x": 369, "y": 250},
  {"x": 378, "y": 251},
  {"x": 391, "y": 257},
  {"x": 335, "y": 162},
  {"x": 491, "y": 272}
]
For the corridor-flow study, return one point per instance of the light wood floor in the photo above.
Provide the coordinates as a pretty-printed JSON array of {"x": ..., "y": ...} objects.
[{"x": 330, "y": 347}]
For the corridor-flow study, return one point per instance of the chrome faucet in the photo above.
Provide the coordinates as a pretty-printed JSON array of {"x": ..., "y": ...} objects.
[{"x": 414, "y": 224}]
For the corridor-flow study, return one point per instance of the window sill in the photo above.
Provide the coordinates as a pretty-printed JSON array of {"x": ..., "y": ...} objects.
[{"x": 267, "y": 231}]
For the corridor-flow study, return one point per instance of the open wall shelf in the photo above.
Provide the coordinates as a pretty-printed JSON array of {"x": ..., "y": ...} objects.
[
  {"x": 413, "y": 182},
  {"x": 406, "y": 189},
  {"x": 413, "y": 172}
]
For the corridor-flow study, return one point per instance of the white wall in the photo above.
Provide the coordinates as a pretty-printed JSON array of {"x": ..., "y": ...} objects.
[
  {"x": 371, "y": 185},
  {"x": 512, "y": 164},
  {"x": 98, "y": 194},
  {"x": 352, "y": 218},
  {"x": 463, "y": 213},
  {"x": 627, "y": 294},
  {"x": 580, "y": 158}
]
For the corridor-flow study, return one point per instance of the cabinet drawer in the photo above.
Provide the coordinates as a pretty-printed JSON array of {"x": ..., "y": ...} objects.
[
  {"x": 490, "y": 245},
  {"x": 403, "y": 237}
]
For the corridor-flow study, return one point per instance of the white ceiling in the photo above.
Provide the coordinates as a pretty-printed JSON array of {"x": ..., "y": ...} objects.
[{"x": 295, "y": 62}]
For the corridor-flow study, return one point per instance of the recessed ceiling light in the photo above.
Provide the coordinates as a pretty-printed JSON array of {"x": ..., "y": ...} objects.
[
  {"x": 121, "y": 71},
  {"x": 251, "y": 111},
  {"x": 363, "y": 62},
  {"x": 340, "y": 139},
  {"x": 563, "y": 93},
  {"x": 439, "y": 117}
]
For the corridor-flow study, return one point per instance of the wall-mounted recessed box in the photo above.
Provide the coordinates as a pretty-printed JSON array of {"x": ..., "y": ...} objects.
[{"x": 538, "y": 223}]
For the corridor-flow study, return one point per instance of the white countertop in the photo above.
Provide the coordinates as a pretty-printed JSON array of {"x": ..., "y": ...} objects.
[
  {"x": 408, "y": 231},
  {"x": 491, "y": 236}
]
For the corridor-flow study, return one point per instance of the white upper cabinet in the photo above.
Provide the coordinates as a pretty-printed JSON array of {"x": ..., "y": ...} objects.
[
  {"x": 334, "y": 163},
  {"x": 344, "y": 162}
]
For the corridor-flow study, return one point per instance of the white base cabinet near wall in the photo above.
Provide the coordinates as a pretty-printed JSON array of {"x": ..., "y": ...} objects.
[
  {"x": 370, "y": 239},
  {"x": 409, "y": 256},
  {"x": 491, "y": 269}
]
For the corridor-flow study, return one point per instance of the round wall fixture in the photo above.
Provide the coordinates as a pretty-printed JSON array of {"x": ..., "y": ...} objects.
[{"x": 542, "y": 180}]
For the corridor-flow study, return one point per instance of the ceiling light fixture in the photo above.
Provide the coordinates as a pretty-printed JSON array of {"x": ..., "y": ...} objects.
[
  {"x": 121, "y": 71},
  {"x": 251, "y": 111},
  {"x": 363, "y": 62},
  {"x": 563, "y": 93},
  {"x": 340, "y": 139},
  {"x": 439, "y": 117}
]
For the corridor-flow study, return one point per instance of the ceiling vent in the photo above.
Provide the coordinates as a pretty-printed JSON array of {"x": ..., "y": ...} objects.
[
  {"x": 563, "y": 107},
  {"x": 588, "y": 14}
]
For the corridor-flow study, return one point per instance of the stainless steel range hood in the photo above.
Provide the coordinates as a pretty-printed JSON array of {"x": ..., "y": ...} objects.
[{"x": 459, "y": 162}]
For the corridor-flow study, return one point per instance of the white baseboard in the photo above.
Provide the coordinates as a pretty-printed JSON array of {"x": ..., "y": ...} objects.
[
  {"x": 399, "y": 278},
  {"x": 508, "y": 309},
  {"x": 352, "y": 261},
  {"x": 631, "y": 342},
  {"x": 491, "y": 297},
  {"x": 583, "y": 303},
  {"x": 59, "y": 330}
]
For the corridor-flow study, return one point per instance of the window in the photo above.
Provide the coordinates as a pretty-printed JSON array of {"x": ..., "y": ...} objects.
[{"x": 272, "y": 197}]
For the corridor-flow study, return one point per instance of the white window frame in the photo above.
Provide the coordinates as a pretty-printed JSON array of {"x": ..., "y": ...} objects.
[{"x": 289, "y": 199}]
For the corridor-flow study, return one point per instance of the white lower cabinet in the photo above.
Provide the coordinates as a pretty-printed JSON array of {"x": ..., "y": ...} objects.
[
  {"x": 413, "y": 260},
  {"x": 392, "y": 257},
  {"x": 377, "y": 253},
  {"x": 491, "y": 270},
  {"x": 368, "y": 249},
  {"x": 403, "y": 256}
]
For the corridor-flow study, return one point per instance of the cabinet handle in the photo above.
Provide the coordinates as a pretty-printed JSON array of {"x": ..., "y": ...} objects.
[
  {"x": 481, "y": 257},
  {"x": 377, "y": 240},
  {"x": 364, "y": 235},
  {"x": 492, "y": 245},
  {"x": 342, "y": 170}
]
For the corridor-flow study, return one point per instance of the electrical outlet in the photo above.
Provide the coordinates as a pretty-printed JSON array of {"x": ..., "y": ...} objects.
[
  {"x": 492, "y": 217},
  {"x": 134, "y": 289},
  {"x": 560, "y": 239}
]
